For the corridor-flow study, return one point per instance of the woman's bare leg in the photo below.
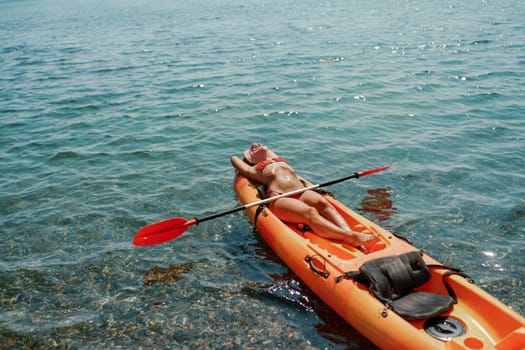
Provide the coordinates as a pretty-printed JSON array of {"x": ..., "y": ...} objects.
[
  {"x": 324, "y": 208},
  {"x": 296, "y": 211}
]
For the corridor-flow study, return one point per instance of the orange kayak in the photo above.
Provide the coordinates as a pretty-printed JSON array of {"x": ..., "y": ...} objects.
[{"x": 393, "y": 293}]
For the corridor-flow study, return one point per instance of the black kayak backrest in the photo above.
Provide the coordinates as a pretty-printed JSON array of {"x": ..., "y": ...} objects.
[{"x": 392, "y": 280}]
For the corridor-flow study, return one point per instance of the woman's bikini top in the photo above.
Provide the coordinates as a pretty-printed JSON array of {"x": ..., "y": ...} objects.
[{"x": 265, "y": 163}]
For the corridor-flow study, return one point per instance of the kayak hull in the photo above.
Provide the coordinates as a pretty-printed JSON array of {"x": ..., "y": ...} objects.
[{"x": 488, "y": 323}]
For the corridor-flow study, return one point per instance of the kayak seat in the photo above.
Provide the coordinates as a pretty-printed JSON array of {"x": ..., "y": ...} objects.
[{"x": 392, "y": 280}]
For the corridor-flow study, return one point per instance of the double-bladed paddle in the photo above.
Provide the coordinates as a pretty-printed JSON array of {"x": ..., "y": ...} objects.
[{"x": 169, "y": 229}]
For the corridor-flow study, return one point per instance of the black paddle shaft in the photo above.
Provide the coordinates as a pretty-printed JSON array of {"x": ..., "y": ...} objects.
[{"x": 263, "y": 201}]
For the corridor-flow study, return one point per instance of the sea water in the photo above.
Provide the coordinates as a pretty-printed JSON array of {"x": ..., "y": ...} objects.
[{"x": 117, "y": 114}]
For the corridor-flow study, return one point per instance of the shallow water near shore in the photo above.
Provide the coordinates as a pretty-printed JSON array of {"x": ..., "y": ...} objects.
[{"x": 117, "y": 114}]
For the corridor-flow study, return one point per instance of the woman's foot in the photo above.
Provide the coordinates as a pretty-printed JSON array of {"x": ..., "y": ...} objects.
[{"x": 357, "y": 239}]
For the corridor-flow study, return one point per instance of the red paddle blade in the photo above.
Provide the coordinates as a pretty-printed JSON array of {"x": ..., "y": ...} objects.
[
  {"x": 373, "y": 171},
  {"x": 162, "y": 231}
]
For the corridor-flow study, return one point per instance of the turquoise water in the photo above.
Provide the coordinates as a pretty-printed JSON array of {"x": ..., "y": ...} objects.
[{"x": 117, "y": 114}]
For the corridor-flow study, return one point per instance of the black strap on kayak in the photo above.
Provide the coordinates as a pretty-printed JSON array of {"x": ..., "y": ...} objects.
[
  {"x": 260, "y": 208},
  {"x": 452, "y": 271},
  {"x": 400, "y": 236},
  {"x": 258, "y": 212}
]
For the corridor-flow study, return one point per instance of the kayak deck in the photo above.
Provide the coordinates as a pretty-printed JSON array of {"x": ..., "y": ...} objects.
[{"x": 476, "y": 321}]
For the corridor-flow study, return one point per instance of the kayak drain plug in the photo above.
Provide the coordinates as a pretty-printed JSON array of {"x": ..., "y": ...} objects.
[{"x": 444, "y": 328}]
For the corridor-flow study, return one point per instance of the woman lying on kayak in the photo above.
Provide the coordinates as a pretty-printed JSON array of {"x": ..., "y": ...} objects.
[{"x": 262, "y": 165}]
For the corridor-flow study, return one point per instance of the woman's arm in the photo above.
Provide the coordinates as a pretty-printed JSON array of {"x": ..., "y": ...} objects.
[{"x": 247, "y": 170}]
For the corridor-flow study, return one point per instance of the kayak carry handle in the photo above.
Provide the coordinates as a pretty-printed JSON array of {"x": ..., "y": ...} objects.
[{"x": 310, "y": 261}]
